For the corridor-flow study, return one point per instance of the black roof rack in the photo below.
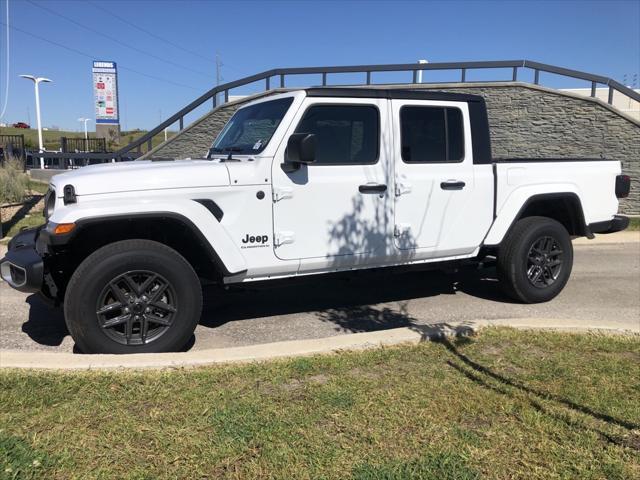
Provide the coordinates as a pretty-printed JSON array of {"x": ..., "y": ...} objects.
[{"x": 404, "y": 94}]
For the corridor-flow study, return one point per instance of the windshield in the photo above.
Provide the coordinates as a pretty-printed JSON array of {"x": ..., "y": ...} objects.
[{"x": 251, "y": 128}]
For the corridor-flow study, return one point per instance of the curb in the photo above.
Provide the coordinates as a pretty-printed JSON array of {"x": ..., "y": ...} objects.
[{"x": 288, "y": 349}]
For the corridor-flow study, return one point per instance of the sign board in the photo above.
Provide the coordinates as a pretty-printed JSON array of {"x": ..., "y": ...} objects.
[{"x": 105, "y": 92}]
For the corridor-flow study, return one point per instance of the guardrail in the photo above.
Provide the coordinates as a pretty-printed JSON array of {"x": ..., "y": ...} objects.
[{"x": 135, "y": 148}]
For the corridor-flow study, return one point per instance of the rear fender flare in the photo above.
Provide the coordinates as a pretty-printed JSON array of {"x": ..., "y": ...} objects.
[{"x": 516, "y": 204}]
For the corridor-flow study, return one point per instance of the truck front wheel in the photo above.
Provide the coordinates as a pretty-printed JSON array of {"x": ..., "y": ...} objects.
[
  {"x": 133, "y": 296},
  {"x": 535, "y": 260}
]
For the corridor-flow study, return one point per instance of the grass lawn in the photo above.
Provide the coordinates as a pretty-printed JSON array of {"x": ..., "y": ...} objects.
[
  {"x": 504, "y": 404},
  {"x": 634, "y": 224}
]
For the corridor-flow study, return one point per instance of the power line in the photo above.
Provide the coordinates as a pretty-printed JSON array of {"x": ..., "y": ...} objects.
[
  {"x": 162, "y": 39},
  {"x": 144, "y": 30},
  {"x": 114, "y": 39},
  {"x": 93, "y": 57}
]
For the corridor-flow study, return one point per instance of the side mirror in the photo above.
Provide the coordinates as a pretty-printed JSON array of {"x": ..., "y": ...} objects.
[{"x": 301, "y": 149}]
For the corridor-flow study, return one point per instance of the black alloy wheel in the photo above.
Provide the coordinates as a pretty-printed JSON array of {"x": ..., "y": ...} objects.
[
  {"x": 544, "y": 262},
  {"x": 535, "y": 259},
  {"x": 137, "y": 307},
  {"x": 133, "y": 296}
]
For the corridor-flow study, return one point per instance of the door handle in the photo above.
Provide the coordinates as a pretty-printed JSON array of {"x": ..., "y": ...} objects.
[
  {"x": 452, "y": 185},
  {"x": 372, "y": 188}
]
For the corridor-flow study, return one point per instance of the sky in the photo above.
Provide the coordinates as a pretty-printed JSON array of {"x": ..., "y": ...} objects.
[{"x": 174, "y": 43}]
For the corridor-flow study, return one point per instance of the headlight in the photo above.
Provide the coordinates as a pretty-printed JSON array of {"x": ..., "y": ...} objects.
[{"x": 49, "y": 203}]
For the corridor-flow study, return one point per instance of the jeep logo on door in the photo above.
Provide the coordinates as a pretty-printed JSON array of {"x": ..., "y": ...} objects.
[{"x": 255, "y": 241}]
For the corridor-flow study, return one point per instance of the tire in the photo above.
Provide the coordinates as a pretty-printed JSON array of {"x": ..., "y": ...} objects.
[
  {"x": 133, "y": 296},
  {"x": 535, "y": 260}
]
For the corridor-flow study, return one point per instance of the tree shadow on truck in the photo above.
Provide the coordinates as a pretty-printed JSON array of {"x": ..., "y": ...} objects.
[{"x": 344, "y": 299}]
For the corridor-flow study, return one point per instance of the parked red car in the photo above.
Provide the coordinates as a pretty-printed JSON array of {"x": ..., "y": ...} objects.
[{"x": 21, "y": 125}]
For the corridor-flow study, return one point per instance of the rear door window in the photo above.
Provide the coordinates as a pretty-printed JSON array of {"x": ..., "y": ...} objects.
[{"x": 431, "y": 134}]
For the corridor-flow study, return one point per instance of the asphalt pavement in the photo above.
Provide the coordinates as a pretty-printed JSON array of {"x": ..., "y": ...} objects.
[{"x": 604, "y": 290}]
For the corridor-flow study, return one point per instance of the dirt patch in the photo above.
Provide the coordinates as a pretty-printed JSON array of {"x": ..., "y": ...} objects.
[
  {"x": 632, "y": 441},
  {"x": 318, "y": 379},
  {"x": 365, "y": 374}
]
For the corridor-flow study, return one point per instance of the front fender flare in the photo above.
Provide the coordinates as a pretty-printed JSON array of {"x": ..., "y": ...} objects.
[{"x": 192, "y": 214}]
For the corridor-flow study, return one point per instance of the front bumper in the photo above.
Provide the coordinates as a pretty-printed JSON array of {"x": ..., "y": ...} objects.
[
  {"x": 616, "y": 224},
  {"x": 23, "y": 267}
]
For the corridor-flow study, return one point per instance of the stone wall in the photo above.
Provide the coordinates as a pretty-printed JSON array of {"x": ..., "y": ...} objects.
[
  {"x": 196, "y": 139},
  {"x": 525, "y": 121}
]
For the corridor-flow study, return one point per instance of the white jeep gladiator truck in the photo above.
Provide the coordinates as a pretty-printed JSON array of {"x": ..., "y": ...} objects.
[{"x": 299, "y": 183}]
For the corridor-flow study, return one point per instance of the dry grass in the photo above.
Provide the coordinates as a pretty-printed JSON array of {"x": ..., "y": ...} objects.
[{"x": 13, "y": 181}]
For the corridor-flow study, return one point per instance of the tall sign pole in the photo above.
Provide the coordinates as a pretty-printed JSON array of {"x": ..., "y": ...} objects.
[{"x": 105, "y": 98}]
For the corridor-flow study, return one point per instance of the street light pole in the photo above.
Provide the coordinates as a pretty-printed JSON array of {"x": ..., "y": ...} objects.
[
  {"x": 85, "y": 120},
  {"x": 36, "y": 82}
]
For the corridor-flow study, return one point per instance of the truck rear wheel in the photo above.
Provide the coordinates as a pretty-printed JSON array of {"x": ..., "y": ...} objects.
[
  {"x": 535, "y": 260},
  {"x": 133, "y": 296}
]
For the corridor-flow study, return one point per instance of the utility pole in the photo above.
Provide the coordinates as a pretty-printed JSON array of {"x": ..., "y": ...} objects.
[{"x": 218, "y": 70}]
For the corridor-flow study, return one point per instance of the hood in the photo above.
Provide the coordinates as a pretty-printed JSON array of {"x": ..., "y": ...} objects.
[{"x": 142, "y": 175}]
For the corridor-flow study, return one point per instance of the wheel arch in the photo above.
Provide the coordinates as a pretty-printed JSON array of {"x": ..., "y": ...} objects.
[
  {"x": 170, "y": 228},
  {"x": 564, "y": 207}
]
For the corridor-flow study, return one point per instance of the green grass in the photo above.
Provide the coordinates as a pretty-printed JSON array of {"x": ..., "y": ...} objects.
[
  {"x": 38, "y": 187},
  {"x": 505, "y": 404},
  {"x": 634, "y": 224}
]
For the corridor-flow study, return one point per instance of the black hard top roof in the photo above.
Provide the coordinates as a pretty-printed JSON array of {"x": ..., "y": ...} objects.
[{"x": 404, "y": 94}]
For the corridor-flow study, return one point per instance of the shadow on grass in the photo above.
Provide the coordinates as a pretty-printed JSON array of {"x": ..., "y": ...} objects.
[
  {"x": 18, "y": 459},
  {"x": 545, "y": 395},
  {"x": 20, "y": 214},
  {"x": 506, "y": 386}
]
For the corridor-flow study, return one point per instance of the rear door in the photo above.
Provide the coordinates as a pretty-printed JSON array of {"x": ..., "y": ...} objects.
[
  {"x": 438, "y": 212},
  {"x": 335, "y": 213}
]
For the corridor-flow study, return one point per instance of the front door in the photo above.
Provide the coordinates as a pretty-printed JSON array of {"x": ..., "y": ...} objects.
[{"x": 335, "y": 213}]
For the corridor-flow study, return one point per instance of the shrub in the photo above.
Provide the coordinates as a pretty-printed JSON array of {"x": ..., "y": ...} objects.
[{"x": 13, "y": 181}]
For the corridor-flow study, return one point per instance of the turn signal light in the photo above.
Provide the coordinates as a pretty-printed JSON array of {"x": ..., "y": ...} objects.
[{"x": 63, "y": 228}]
